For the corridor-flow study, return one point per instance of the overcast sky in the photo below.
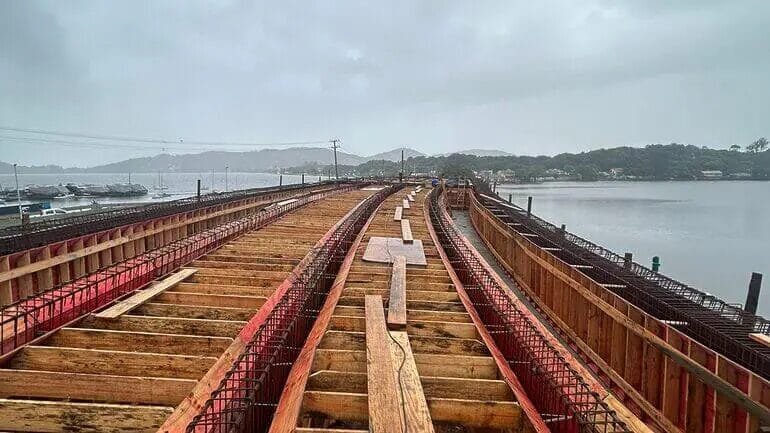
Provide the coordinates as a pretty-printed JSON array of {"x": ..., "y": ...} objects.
[{"x": 528, "y": 77}]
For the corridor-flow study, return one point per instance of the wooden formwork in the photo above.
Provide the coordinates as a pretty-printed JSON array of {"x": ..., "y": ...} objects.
[
  {"x": 669, "y": 380},
  {"x": 131, "y": 372},
  {"x": 25, "y": 273},
  {"x": 442, "y": 367}
]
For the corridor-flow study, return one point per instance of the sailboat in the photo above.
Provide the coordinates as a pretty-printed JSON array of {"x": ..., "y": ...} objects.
[{"x": 160, "y": 189}]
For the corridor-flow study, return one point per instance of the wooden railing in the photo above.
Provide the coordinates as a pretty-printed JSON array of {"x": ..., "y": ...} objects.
[{"x": 671, "y": 381}]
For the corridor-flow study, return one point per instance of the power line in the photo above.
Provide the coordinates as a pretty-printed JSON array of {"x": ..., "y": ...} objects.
[{"x": 155, "y": 140}]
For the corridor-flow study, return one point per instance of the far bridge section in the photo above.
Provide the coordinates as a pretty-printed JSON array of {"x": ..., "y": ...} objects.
[
  {"x": 44, "y": 254},
  {"x": 156, "y": 355},
  {"x": 677, "y": 357}
]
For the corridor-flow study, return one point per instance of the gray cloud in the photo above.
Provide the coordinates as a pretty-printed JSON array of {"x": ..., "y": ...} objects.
[{"x": 526, "y": 77}]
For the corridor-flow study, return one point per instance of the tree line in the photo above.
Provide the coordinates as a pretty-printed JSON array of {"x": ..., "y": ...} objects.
[{"x": 652, "y": 162}]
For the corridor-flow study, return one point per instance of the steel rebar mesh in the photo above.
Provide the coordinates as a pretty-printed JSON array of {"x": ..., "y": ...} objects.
[{"x": 565, "y": 401}]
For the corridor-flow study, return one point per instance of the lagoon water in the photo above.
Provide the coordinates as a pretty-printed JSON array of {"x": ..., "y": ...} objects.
[{"x": 710, "y": 235}]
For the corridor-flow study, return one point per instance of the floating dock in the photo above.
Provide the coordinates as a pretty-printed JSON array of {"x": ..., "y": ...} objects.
[{"x": 359, "y": 306}]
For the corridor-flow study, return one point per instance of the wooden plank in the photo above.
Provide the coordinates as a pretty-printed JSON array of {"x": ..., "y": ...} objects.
[
  {"x": 167, "y": 325},
  {"x": 406, "y": 232},
  {"x": 154, "y": 289},
  {"x": 412, "y": 398},
  {"x": 138, "y": 342},
  {"x": 760, "y": 338},
  {"x": 469, "y": 413},
  {"x": 397, "y": 301},
  {"x": 433, "y": 387},
  {"x": 405, "y": 204},
  {"x": 74, "y": 360},
  {"x": 460, "y": 366},
  {"x": 59, "y": 416},
  {"x": 398, "y": 214},
  {"x": 385, "y": 413},
  {"x": 93, "y": 387},
  {"x": 409, "y": 197}
]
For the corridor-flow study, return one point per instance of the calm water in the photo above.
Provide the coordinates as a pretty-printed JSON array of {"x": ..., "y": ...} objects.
[
  {"x": 711, "y": 235},
  {"x": 179, "y": 184}
]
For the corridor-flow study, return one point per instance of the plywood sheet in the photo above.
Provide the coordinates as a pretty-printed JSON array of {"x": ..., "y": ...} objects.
[{"x": 385, "y": 250}]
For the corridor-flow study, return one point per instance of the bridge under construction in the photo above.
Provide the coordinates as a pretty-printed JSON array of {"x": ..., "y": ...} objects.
[{"x": 344, "y": 307}]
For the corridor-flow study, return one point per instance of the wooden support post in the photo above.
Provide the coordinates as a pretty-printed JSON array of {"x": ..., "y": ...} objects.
[
  {"x": 529, "y": 206},
  {"x": 45, "y": 276},
  {"x": 385, "y": 415},
  {"x": 510, "y": 198},
  {"x": 397, "y": 301},
  {"x": 25, "y": 281},
  {"x": 64, "y": 268},
  {"x": 628, "y": 259},
  {"x": 6, "y": 293},
  {"x": 406, "y": 232}
]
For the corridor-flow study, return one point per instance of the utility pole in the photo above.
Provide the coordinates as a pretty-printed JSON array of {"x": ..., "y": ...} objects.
[
  {"x": 401, "y": 173},
  {"x": 334, "y": 142},
  {"x": 18, "y": 195}
]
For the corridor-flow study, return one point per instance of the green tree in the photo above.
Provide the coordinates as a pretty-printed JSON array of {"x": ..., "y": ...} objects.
[
  {"x": 758, "y": 146},
  {"x": 735, "y": 148}
]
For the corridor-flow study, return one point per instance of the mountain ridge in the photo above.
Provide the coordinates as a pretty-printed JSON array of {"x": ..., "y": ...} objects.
[{"x": 265, "y": 160}]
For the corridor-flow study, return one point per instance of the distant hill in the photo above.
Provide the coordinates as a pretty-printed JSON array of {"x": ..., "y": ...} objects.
[
  {"x": 395, "y": 155},
  {"x": 479, "y": 152},
  {"x": 266, "y": 160}
]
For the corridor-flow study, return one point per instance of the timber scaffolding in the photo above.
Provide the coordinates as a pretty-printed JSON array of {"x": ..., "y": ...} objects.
[
  {"x": 674, "y": 370},
  {"x": 351, "y": 308}
]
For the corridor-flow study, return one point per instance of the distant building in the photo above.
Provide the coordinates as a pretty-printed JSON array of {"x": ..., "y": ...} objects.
[
  {"x": 740, "y": 176},
  {"x": 507, "y": 175},
  {"x": 711, "y": 174},
  {"x": 485, "y": 174},
  {"x": 616, "y": 173}
]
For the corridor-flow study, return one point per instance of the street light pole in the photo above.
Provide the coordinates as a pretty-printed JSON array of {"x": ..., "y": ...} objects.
[{"x": 18, "y": 194}]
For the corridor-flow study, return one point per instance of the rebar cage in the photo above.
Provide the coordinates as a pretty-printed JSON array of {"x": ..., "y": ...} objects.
[
  {"x": 248, "y": 395},
  {"x": 564, "y": 399}
]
